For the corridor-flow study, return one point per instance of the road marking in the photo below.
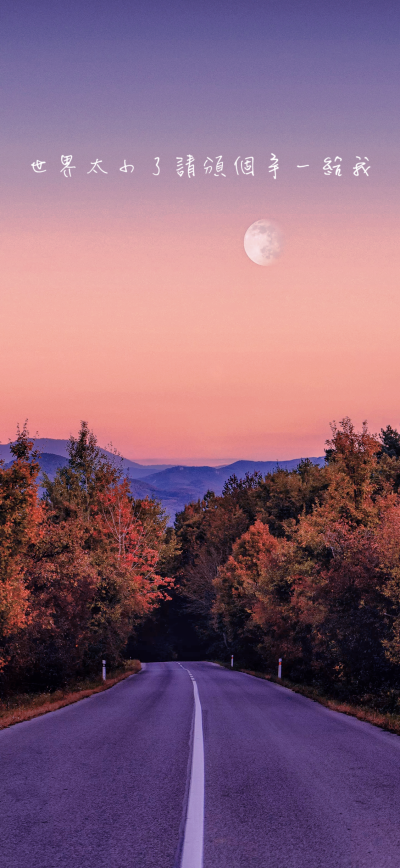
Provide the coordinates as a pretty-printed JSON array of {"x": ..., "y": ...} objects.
[{"x": 192, "y": 851}]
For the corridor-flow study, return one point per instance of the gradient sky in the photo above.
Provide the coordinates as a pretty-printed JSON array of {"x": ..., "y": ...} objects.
[{"x": 127, "y": 299}]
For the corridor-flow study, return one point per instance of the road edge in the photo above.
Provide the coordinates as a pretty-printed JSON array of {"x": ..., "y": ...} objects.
[
  {"x": 387, "y": 722},
  {"x": 21, "y": 715}
]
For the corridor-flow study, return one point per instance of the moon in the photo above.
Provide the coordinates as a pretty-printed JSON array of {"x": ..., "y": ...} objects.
[{"x": 263, "y": 242}]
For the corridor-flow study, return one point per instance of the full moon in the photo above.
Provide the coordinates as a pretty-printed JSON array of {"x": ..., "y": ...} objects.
[{"x": 263, "y": 242}]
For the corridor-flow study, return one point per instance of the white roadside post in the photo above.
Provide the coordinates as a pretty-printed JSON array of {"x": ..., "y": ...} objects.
[
  {"x": 280, "y": 668},
  {"x": 231, "y": 661},
  {"x": 104, "y": 670}
]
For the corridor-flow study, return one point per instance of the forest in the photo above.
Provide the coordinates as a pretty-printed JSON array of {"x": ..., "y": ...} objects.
[
  {"x": 302, "y": 565},
  {"x": 79, "y": 564}
]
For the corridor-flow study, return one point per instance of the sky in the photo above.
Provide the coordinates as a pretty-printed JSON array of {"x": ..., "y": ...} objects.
[{"x": 127, "y": 299}]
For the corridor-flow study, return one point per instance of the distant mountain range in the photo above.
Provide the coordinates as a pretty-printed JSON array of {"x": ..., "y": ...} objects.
[
  {"x": 173, "y": 486},
  {"x": 47, "y": 446}
]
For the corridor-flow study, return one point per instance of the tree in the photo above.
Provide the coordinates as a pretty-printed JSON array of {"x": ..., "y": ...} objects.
[
  {"x": 63, "y": 585},
  {"x": 390, "y": 440},
  {"x": 21, "y": 518},
  {"x": 205, "y": 533},
  {"x": 122, "y": 538},
  {"x": 324, "y": 593},
  {"x": 252, "y": 594},
  {"x": 389, "y": 458}
]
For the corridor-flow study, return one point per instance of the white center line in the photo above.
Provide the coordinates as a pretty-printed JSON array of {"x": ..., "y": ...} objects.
[{"x": 192, "y": 851}]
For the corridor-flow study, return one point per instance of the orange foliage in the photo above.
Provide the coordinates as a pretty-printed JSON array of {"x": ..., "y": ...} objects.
[
  {"x": 21, "y": 526},
  {"x": 78, "y": 569},
  {"x": 327, "y": 596}
]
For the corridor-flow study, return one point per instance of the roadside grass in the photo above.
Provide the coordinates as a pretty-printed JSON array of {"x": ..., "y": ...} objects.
[
  {"x": 390, "y": 722},
  {"x": 24, "y": 706}
]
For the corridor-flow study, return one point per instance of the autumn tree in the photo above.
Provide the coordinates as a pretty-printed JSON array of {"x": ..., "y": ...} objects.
[
  {"x": 353, "y": 458},
  {"x": 338, "y": 585},
  {"x": 21, "y": 517},
  {"x": 316, "y": 578},
  {"x": 122, "y": 539},
  {"x": 63, "y": 584},
  {"x": 253, "y": 595},
  {"x": 205, "y": 533},
  {"x": 389, "y": 458},
  {"x": 283, "y": 496}
]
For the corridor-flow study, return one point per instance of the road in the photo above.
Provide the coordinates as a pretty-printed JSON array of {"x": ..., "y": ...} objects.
[{"x": 106, "y": 783}]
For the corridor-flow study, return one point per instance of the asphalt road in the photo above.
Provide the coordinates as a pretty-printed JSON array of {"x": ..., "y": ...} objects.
[{"x": 287, "y": 783}]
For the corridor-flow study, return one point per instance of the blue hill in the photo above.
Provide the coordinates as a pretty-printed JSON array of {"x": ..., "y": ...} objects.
[{"x": 173, "y": 486}]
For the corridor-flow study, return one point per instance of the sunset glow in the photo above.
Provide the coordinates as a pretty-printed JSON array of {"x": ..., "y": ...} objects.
[{"x": 128, "y": 300}]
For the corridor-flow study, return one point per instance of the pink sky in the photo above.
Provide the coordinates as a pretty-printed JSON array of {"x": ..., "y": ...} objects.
[
  {"x": 173, "y": 345},
  {"x": 127, "y": 300}
]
